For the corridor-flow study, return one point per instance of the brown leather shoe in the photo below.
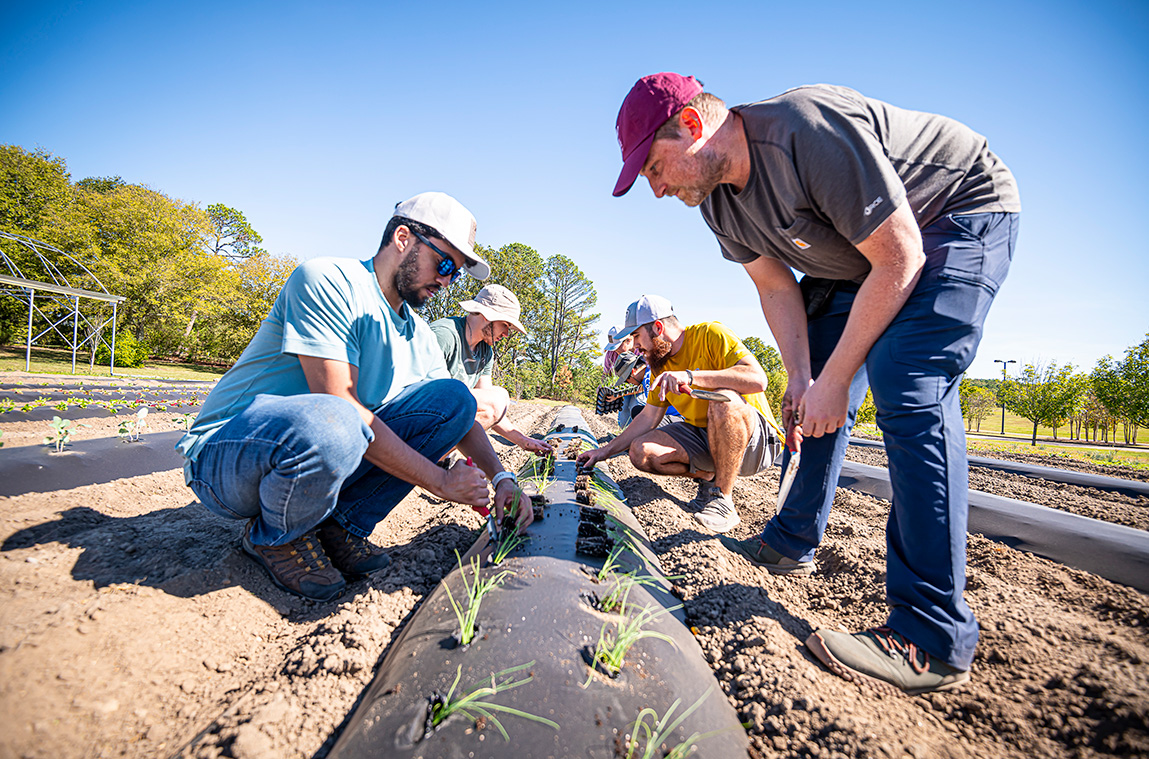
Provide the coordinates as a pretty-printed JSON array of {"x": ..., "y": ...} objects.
[
  {"x": 300, "y": 567},
  {"x": 351, "y": 554}
]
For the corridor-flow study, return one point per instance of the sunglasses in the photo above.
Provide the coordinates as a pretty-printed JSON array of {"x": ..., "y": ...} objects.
[{"x": 446, "y": 267}]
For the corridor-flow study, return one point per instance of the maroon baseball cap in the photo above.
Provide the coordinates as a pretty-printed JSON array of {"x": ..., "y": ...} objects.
[{"x": 651, "y": 101}]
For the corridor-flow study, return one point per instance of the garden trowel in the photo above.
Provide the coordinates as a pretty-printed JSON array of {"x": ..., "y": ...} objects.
[{"x": 794, "y": 445}]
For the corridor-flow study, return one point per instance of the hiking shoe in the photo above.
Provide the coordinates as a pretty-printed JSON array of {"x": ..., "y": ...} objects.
[
  {"x": 300, "y": 567},
  {"x": 762, "y": 555},
  {"x": 351, "y": 554},
  {"x": 883, "y": 659},
  {"x": 707, "y": 492},
  {"x": 719, "y": 513}
]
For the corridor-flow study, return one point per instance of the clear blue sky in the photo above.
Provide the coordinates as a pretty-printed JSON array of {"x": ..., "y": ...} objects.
[{"x": 314, "y": 119}]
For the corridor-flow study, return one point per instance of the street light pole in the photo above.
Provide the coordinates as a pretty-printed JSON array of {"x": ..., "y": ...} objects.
[{"x": 1004, "y": 365}]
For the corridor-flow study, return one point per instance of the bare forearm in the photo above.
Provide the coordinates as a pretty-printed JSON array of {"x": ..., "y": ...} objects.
[
  {"x": 744, "y": 380},
  {"x": 878, "y": 301},
  {"x": 785, "y": 313},
  {"x": 391, "y": 453},
  {"x": 477, "y": 446}
]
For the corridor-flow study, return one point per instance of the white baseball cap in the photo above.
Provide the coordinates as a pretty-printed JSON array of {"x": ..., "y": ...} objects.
[
  {"x": 452, "y": 221},
  {"x": 497, "y": 304},
  {"x": 647, "y": 309}
]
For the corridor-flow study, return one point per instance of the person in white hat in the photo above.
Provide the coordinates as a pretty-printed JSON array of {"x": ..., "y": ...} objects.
[
  {"x": 615, "y": 346},
  {"x": 342, "y": 404},
  {"x": 715, "y": 441},
  {"x": 468, "y": 345}
]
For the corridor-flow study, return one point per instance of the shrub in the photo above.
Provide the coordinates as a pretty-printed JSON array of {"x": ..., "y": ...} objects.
[{"x": 129, "y": 351}]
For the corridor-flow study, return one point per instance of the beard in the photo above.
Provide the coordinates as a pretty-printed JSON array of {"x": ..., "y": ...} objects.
[
  {"x": 658, "y": 354},
  {"x": 711, "y": 168},
  {"x": 489, "y": 334},
  {"x": 405, "y": 280}
]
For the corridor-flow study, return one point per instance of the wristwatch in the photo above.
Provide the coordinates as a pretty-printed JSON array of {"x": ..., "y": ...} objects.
[{"x": 503, "y": 476}]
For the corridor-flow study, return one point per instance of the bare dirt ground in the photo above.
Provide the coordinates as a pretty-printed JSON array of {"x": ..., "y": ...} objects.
[
  {"x": 1131, "y": 511},
  {"x": 131, "y": 624}
]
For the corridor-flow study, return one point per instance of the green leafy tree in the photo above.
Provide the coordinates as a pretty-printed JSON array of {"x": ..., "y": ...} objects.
[
  {"x": 1109, "y": 388},
  {"x": 230, "y": 235},
  {"x": 1045, "y": 394},
  {"x": 1135, "y": 378},
  {"x": 771, "y": 362},
  {"x": 568, "y": 296},
  {"x": 150, "y": 248},
  {"x": 225, "y": 334},
  {"x": 976, "y": 402}
]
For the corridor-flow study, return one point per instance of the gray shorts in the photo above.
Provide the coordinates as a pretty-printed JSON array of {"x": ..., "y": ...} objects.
[{"x": 764, "y": 447}]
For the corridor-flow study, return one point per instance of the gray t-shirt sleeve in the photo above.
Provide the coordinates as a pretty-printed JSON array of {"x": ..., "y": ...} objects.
[
  {"x": 732, "y": 250},
  {"x": 843, "y": 167}
]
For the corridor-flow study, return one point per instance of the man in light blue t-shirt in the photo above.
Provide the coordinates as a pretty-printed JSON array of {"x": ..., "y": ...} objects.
[{"x": 342, "y": 403}]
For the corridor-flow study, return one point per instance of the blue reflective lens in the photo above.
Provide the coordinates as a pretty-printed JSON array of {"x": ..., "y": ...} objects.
[{"x": 447, "y": 267}]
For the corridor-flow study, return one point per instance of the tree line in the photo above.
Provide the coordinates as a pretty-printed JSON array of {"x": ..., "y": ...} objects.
[
  {"x": 1091, "y": 404},
  {"x": 198, "y": 284},
  {"x": 196, "y": 281}
]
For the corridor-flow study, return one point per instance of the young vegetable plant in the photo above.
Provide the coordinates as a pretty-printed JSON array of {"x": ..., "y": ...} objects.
[
  {"x": 509, "y": 536},
  {"x": 611, "y": 565},
  {"x": 610, "y": 653},
  {"x": 185, "y": 420},
  {"x": 475, "y": 703},
  {"x": 656, "y": 734},
  {"x": 475, "y": 589},
  {"x": 131, "y": 429},
  {"x": 537, "y": 477},
  {"x": 61, "y": 433}
]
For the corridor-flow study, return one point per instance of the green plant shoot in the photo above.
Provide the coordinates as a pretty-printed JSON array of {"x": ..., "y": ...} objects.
[
  {"x": 475, "y": 590},
  {"x": 612, "y": 649},
  {"x": 61, "y": 433},
  {"x": 655, "y": 735},
  {"x": 474, "y": 704}
]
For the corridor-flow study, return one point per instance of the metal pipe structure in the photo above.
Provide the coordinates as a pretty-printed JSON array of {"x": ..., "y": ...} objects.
[{"x": 548, "y": 618}]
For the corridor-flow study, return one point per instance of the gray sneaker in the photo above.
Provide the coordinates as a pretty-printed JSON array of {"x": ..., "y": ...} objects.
[
  {"x": 719, "y": 514},
  {"x": 884, "y": 660},
  {"x": 707, "y": 491},
  {"x": 300, "y": 567},
  {"x": 762, "y": 555}
]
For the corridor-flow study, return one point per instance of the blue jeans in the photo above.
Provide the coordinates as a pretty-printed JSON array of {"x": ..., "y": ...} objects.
[
  {"x": 914, "y": 370},
  {"x": 290, "y": 462}
]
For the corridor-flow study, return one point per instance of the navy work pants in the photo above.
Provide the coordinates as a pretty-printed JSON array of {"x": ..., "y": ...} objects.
[{"x": 914, "y": 369}]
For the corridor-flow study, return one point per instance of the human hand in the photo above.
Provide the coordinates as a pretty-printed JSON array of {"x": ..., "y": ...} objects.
[
  {"x": 587, "y": 459},
  {"x": 823, "y": 409},
  {"x": 671, "y": 382},
  {"x": 796, "y": 388},
  {"x": 510, "y": 499},
  {"x": 465, "y": 483},
  {"x": 537, "y": 447}
]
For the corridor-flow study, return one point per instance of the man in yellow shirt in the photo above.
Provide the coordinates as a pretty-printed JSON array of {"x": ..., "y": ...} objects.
[{"x": 716, "y": 441}]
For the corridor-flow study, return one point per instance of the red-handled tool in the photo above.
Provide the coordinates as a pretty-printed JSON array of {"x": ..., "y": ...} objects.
[{"x": 481, "y": 510}]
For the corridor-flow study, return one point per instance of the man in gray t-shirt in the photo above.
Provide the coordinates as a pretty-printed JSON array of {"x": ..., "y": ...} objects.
[
  {"x": 904, "y": 224},
  {"x": 468, "y": 345}
]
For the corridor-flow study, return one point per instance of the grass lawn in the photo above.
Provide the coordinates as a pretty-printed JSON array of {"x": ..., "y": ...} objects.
[{"x": 59, "y": 361}]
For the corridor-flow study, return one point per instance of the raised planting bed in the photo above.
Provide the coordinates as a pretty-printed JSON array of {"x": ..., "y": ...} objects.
[{"x": 568, "y": 654}]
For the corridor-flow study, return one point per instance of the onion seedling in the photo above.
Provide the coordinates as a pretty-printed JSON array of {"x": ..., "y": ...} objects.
[
  {"x": 656, "y": 734},
  {"x": 474, "y": 705},
  {"x": 476, "y": 589},
  {"x": 612, "y": 649}
]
